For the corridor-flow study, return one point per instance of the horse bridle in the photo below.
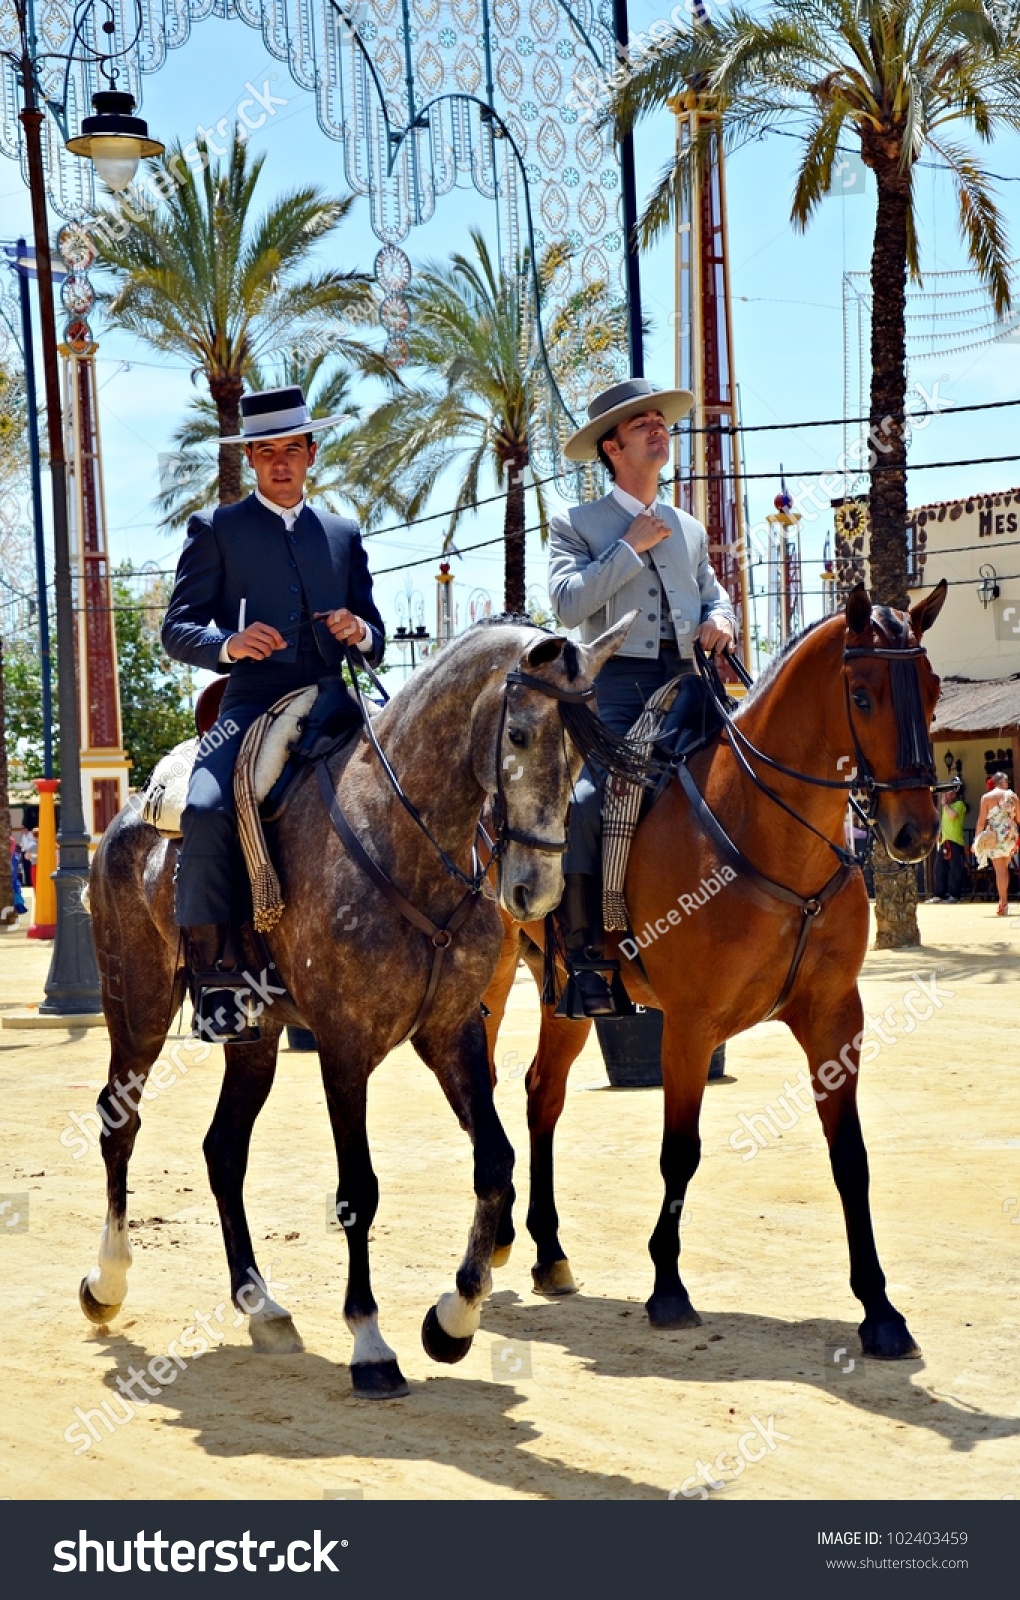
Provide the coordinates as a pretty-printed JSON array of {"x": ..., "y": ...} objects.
[
  {"x": 914, "y": 744},
  {"x": 504, "y": 834},
  {"x": 914, "y": 750}
]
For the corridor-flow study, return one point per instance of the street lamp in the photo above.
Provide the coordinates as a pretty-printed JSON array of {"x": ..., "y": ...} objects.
[
  {"x": 113, "y": 136},
  {"x": 115, "y": 140}
]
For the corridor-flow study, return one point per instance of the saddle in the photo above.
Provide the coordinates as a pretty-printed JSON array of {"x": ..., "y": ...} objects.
[
  {"x": 681, "y": 718},
  {"x": 301, "y": 728}
]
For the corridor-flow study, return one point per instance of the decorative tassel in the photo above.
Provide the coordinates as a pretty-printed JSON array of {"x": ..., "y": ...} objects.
[{"x": 267, "y": 899}]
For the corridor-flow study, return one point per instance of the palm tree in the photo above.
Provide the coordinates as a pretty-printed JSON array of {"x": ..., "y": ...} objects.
[
  {"x": 475, "y": 334},
  {"x": 898, "y": 77},
  {"x": 201, "y": 277}
]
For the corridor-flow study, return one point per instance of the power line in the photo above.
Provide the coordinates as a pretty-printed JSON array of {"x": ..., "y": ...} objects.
[
  {"x": 839, "y": 422},
  {"x": 840, "y": 472}
]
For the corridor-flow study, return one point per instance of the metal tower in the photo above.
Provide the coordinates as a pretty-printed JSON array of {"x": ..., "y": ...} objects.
[
  {"x": 104, "y": 765},
  {"x": 708, "y": 481}
]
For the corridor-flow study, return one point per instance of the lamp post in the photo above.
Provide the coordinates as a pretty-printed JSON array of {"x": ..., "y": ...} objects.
[{"x": 116, "y": 142}]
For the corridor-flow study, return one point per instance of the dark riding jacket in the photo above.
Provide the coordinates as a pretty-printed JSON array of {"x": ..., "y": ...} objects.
[{"x": 243, "y": 553}]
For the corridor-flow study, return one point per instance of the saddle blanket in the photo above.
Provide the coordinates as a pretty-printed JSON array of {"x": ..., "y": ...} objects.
[{"x": 166, "y": 793}]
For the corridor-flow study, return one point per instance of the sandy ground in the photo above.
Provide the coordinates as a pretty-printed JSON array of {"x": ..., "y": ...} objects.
[{"x": 561, "y": 1400}]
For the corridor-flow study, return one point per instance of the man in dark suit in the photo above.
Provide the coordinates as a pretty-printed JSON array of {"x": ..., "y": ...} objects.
[{"x": 272, "y": 593}]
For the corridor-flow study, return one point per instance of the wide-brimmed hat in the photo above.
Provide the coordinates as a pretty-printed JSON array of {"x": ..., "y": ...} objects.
[
  {"x": 615, "y": 405},
  {"x": 277, "y": 414}
]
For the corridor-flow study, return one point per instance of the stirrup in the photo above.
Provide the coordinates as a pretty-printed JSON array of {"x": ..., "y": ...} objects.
[
  {"x": 587, "y": 992},
  {"x": 224, "y": 1008}
]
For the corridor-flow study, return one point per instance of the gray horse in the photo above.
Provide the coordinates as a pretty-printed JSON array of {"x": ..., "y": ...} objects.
[{"x": 463, "y": 729}]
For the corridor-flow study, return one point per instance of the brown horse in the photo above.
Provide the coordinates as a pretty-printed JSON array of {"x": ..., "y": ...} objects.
[
  {"x": 851, "y": 695},
  {"x": 485, "y": 718}
]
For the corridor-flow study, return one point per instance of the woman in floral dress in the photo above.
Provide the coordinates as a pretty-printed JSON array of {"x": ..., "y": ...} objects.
[{"x": 995, "y": 838}]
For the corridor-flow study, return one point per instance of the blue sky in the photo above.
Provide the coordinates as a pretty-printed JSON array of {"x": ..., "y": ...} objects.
[{"x": 787, "y": 315}]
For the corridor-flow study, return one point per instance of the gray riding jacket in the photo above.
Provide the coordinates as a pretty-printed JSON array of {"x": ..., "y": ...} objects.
[{"x": 595, "y": 578}]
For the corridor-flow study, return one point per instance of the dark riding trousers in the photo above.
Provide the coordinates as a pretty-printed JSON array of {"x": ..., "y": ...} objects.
[
  {"x": 622, "y": 688},
  {"x": 243, "y": 555}
]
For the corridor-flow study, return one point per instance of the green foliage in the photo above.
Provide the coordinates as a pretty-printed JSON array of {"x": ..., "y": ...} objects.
[
  {"x": 899, "y": 76},
  {"x": 23, "y": 718},
  {"x": 200, "y": 276}
]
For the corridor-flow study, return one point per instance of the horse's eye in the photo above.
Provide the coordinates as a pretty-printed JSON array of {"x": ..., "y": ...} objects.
[
  {"x": 861, "y": 700},
  {"x": 518, "y": 737}
]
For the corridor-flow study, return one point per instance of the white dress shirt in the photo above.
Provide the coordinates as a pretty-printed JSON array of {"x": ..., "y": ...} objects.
[{"x": 290, "y": 515}]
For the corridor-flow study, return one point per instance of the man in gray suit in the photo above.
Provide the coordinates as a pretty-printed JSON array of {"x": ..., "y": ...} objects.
[{"x": 626, "y": 552}]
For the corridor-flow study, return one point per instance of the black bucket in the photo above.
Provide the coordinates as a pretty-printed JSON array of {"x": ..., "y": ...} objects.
[
  {"x": 300, "y": 1039},
  {"x": 632, "y": 1050}
]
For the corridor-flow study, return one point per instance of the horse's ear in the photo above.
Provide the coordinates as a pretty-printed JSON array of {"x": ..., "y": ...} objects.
[
  {"x": 925, "y": 614},
  {"x": 608, "y": 643},
  {"x": 549, "y": 648},
  {"x": 858, "y": 609}
]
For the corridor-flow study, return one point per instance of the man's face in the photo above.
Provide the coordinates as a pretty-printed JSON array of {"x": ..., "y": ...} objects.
[
  {"x": 281, "y": 466},
  {"x": 641, "y": 441}
]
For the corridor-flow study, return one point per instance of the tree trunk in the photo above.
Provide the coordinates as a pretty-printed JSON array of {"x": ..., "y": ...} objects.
[
  {"x": 888, "y": 497},
  {"x": 226, "y": 392},
  {"x": 7, "y": 918},
  {"x": 514, "y": 597},
  {"x": 896, "y": 894}
]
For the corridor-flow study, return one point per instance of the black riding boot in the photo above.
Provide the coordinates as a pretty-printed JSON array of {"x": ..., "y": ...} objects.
[
  {"x": 221, "y": 995},
  {"x": 588, "y": 993}
]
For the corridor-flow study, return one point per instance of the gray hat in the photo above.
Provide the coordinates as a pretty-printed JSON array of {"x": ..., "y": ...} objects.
[
  {"x": 615, "y": 405},
  {"x": 277, "y": 414}
]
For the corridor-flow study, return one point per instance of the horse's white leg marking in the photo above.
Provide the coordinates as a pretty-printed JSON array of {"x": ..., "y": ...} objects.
[
  {"x": 459, "y": 1317},
  {"x": 257, "y": 1303},
  {"x": 108, "y": 1281},
  {"x": 369, "y": 1345}
]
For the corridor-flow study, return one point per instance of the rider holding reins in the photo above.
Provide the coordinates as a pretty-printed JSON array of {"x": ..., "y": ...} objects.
[
  {"x": 271, "y": 592},
  {"x": 626, "y": 552}
]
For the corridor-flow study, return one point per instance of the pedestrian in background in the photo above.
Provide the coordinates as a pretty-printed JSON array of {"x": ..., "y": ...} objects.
[
  {"x": 995, "y": 838},
  {"x": 950, "y": 875}
]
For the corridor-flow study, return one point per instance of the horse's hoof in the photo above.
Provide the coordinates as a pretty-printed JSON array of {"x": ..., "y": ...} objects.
[
  {"x": 439, "y": 1344},
  {"x": 275, "y": 1336},
  {"x": 96, "y": 1312},
  {"x": 378, "y": 1380},
  {"x": 553, "y": 1279},
  {"x": 501, "y": 1255},
  {"x": 672, "y": 1311},
  {"x": 887, "y": 1339}
]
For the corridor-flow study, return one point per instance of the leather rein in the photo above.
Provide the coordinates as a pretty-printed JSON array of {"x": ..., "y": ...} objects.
[
  {"x": 441, "y": 937},
  {"x": 915, "y": 751}
]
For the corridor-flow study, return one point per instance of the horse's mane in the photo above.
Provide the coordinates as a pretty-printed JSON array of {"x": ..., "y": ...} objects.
[
  {"x": 892, "y": 622},
  {"x": 765, "y": 681}
]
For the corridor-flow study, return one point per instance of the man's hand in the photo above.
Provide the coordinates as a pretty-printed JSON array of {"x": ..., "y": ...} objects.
[
  {"x": 258, "y": 641},
  {"x": 714, "y": 637},
  {"x": 645, "y": 531},
  {"x": 343, "y": 625}
]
